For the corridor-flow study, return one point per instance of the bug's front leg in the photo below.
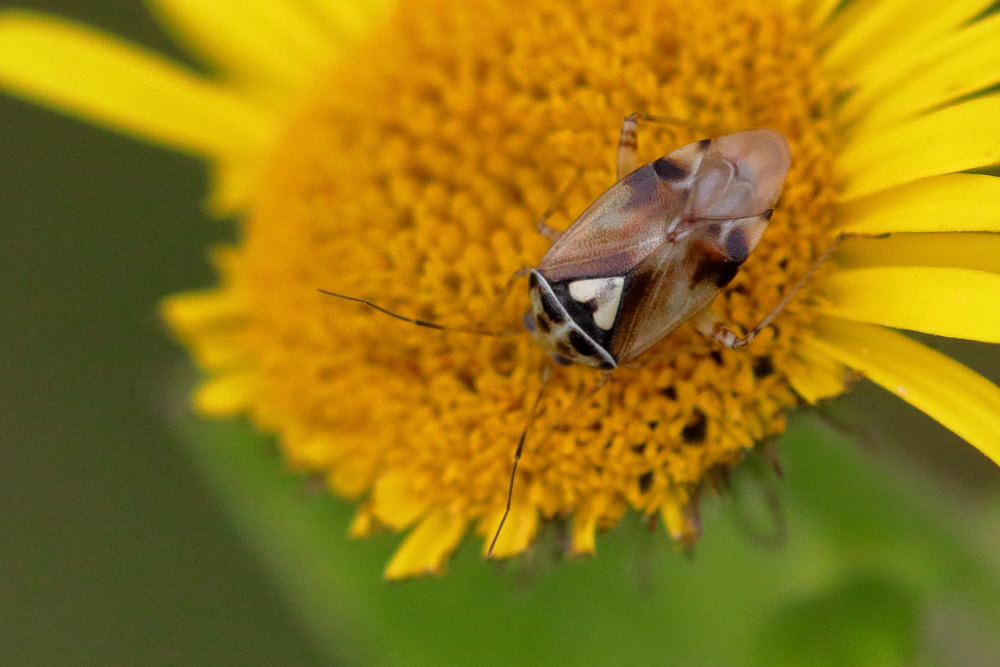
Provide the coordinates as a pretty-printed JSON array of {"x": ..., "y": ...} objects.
[
  {"x": 628, "y": 140},
  {"x": 542, "y": 225},
  {"x": 628, "y": 145}
]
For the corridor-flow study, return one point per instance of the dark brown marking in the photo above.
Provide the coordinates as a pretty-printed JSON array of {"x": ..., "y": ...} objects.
[
  {"x": 715, "y": 268},
  {"x": 668, "y": 170},
  {"x": 704, "y": 144},
  {"x": 670, "y": 392},
  {"x": 736, "y": 245},
  {"x": 561, "y": 360},
  {"x": 582, "y": 313},
  {"x": 552, "y": 309},
  {"x": 543, "y": 324},
  {"x": 694, "y": 431},
  {"x": 582, "y": 344}
]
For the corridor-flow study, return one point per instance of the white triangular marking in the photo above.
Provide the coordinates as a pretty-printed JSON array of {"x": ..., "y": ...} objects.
[{"x": 605, "y": 293}]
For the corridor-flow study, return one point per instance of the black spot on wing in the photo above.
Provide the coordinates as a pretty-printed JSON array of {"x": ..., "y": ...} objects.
[
  {"x": 736, "y": 245},
  {"x": 668, "y": 170},
  {"x": 715, "y": 269},
  {"x": 704, "y": 144}
]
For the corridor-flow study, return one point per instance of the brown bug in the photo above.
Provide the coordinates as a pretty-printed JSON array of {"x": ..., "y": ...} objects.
[{"x": 650, "y": 254}]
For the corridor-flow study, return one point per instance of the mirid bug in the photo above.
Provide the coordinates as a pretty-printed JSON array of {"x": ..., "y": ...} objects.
[{"x": 649, "y": 254}]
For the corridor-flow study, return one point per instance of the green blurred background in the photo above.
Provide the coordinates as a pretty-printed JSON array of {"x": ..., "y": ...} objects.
[{"x": 135, "y": 535}]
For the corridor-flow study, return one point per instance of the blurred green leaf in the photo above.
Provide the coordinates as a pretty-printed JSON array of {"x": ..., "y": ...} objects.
[
  {"x": 863, "y": 560},
  {"x": 865, "y": 620}
]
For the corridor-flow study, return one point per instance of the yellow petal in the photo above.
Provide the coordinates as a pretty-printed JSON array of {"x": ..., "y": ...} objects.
[
  {"x": 394, "y": 502},
  {"x": 865, "y": 35},
  {"x": 946, "y": 203},
  {"x": 109, "y": 82},
  {"x": 961, "y": 303},
  {"x": 679, "y": 523},
  {"x": 855, "y": 27},
  {"x": 815, "y": 375},
  {"x": 954, "y": 395},
  {"x": 892, "y": 33},
  {"x": 818, "y": 12},
  {"x": 346, "y": 22},
  {"x": 960, "y": 137},
  {"x": 427, "y": 548},
  {"x": 280, "y": 42},
  {"x": 966, "y": 250},
  {"x": 584, "y": 526},
  {"x": 518, "y": 531},
  {"x": 203, "y": 311},
  {"x": 233, "y": 182},
  {"x": 225, "y": 395},
  {"x": 965, "y": 62}
]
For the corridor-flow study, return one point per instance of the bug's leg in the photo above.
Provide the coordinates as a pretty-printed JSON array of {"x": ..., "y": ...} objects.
[
  {"x": 712, "y": 326},
  {"x": 504, "y": 293},
  {"x": 628, "y": 145},
  {"x": 628, "y": 140},
  {"x": 546, "y": 374},
  {"x": 542, "y": 225}
]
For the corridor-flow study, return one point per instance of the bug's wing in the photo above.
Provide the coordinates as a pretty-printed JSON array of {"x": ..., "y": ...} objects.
[
  {"x": 619, "y": 230},
  {"x": 733, "y": 187}
]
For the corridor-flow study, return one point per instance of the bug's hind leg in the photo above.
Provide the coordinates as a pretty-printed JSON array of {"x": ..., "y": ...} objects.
[{"x": 712, "y": 326}]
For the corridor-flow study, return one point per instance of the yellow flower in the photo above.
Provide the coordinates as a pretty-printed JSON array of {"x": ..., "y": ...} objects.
[{"x": 401, "y": 152}]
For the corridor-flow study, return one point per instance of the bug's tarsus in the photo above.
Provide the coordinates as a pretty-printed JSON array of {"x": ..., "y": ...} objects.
[
  {"x": 419, "y": 322},
  {"x": 517, "y": 457}
]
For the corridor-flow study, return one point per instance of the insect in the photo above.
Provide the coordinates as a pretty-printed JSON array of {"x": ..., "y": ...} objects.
[{"x": 649, "y": 254}]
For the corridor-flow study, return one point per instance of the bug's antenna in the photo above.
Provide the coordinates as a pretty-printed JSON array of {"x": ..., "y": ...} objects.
[
  {"x": 517, "y": 457},
  {"x": 420, "y": 323}
]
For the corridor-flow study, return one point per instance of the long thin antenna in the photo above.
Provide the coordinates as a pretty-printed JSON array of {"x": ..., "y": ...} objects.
[
  {"x": 517, "y": 457},
  {"x": 421, "y": 323}
]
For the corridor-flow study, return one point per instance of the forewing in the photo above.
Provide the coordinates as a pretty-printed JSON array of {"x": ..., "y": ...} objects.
[{"x": 618, "y": 231}]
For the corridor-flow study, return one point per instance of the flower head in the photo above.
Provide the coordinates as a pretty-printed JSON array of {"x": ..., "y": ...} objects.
[{"x": 408, "y": 164}]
